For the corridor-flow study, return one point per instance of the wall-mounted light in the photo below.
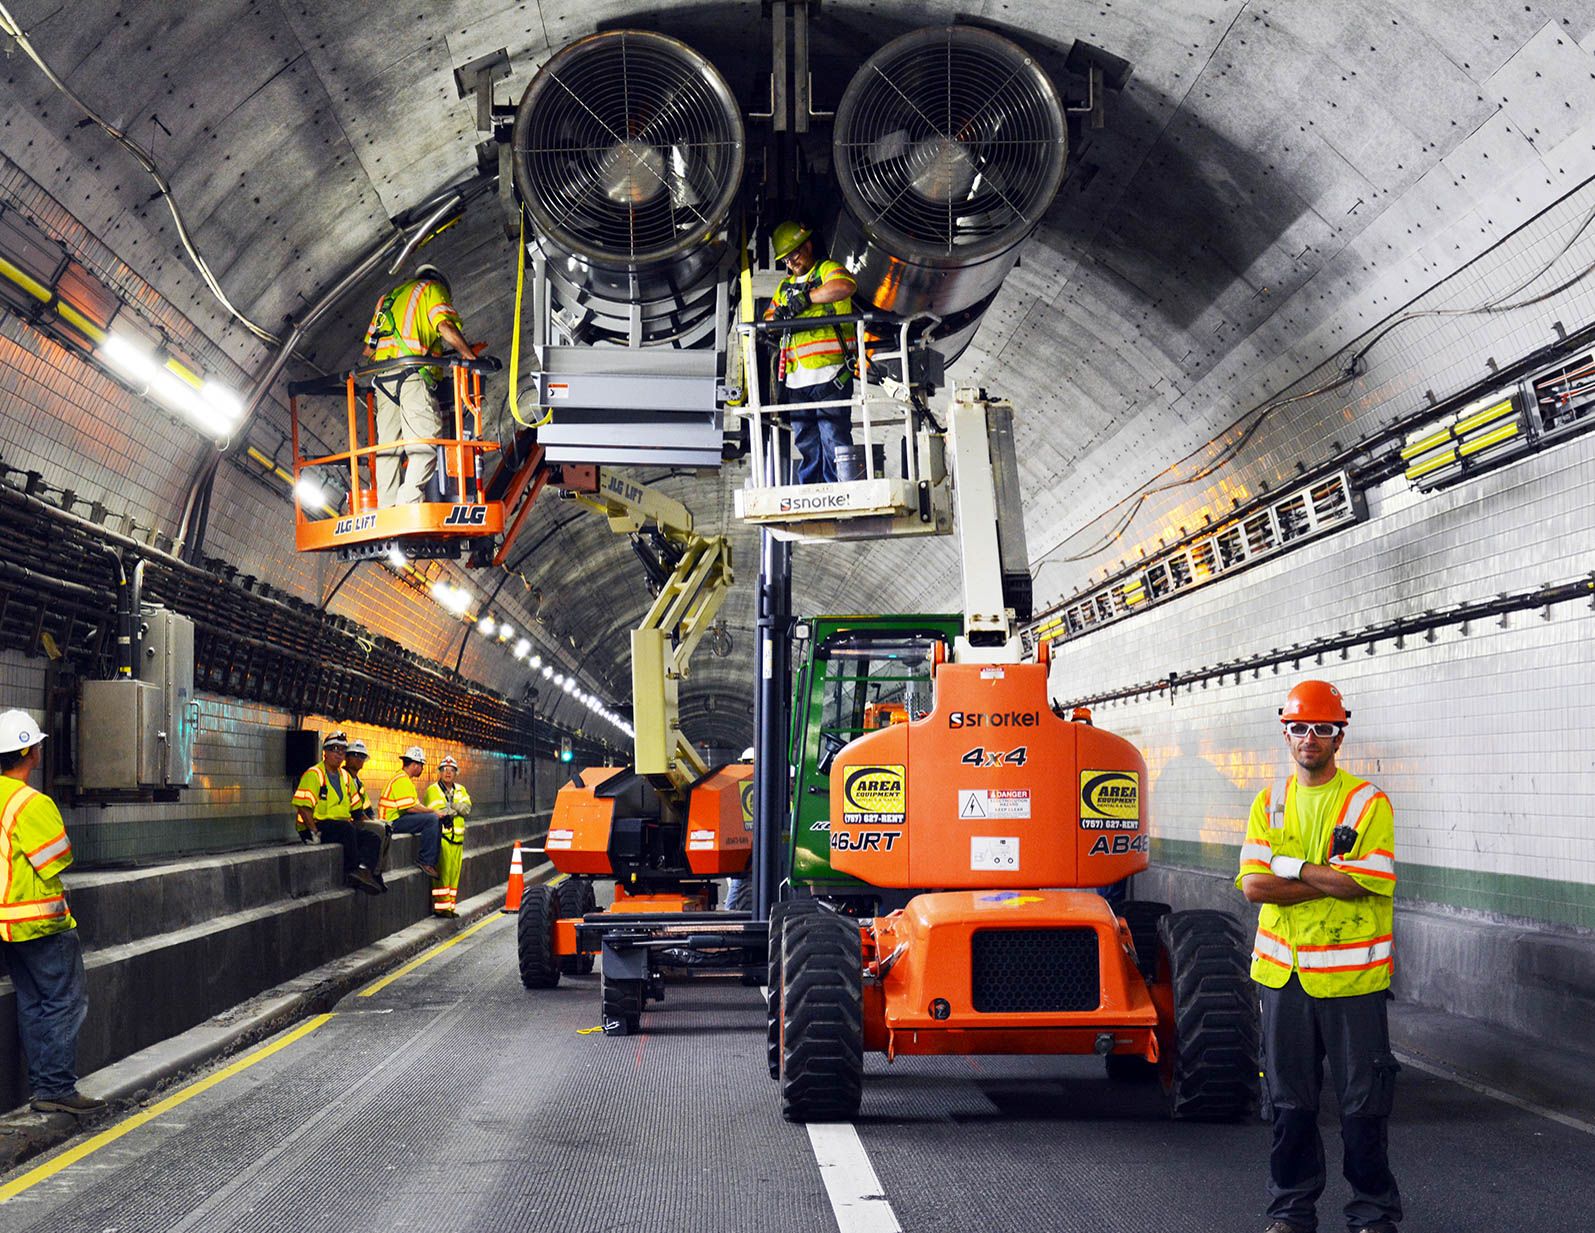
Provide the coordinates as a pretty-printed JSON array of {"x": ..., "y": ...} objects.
[{"x": 1486, "y": 431}]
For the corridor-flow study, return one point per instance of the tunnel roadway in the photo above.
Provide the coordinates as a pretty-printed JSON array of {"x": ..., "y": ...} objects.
[{"x": 447, "y": 1098}]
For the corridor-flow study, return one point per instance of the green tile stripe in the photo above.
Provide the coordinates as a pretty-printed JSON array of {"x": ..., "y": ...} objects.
[{"x": 1542, "y": 899}]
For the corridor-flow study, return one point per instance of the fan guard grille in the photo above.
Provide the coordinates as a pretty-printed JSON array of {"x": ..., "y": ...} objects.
[
  {"x": 628, "y": 149},
  {"x": 948, "y": 142}
]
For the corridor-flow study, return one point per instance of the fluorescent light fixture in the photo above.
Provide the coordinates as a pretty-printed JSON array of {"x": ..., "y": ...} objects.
[
  {"x": 559, "y": 678},
  {"x": 455, "y": 599},
  {"x": 485, "y": 626},
  {"x": 537, "y": 661},
  {"x": 225, "y": 405},
  {"x": 396, "y": 557},
  {"x": 548, "y": 670},
  {"x": 523, "y": 648},
  {"x": 570, "y": 684},
  {"x": 505, "y": 632},
  {"x": 310, "y": 493},
  {"x": 135, "y": 362}
]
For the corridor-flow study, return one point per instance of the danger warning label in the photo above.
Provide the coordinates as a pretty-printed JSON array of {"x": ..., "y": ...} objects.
[{"x": 994, "y": 802}]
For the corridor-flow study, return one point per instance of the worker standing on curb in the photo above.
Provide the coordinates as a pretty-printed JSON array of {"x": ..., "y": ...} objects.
[
  {"x": 816, "y": 362},
  {"x": 401, "y": 808},
  {"x": 452, "y": 803},
  {"x": 363, "y": 813},
  {"x": 1320, "y": 857},
  {"x": 38, "y": 936},
  {"x": 324, "y": 805},
  {"x": 414, "y": 319}
]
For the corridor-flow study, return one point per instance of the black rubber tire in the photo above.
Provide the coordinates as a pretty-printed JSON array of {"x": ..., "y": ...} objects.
[
  {"x": 622, "y": 1006},
  {"x": 586, "y": 962},
  {"x": 780, "y": 913},
  {"x": 1210, "y": 1063},
  {"x": 822, "y": 1019},
  {"x": 1142, "y": 916},
  {"x": 573, "y": 895},
  {"x": 534, "y": 938},
  {"x": 741, "y": 898}
]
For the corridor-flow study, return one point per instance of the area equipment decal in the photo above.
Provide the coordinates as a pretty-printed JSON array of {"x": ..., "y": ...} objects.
[
  {"x": 1110, "y": 800},
  {"x": 874, "y": 796}
]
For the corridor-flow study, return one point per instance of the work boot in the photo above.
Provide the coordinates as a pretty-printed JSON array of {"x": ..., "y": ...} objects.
[
  {"x": 75, "y": 1103},
  {"x": 361, "y": 877},
  {"x": 1285, "y": 1226},
  {"x": 431, "y": 871}
]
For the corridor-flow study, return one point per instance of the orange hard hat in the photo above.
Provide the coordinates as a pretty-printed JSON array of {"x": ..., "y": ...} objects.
[{"x": 1314, "y": 702}]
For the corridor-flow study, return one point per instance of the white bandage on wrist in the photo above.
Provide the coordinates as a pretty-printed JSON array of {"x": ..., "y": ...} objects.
[{"x": 1287, "y": 867}]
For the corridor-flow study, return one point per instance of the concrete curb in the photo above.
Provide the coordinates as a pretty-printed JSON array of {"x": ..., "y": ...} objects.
[{"x": 142, "y": 1076}]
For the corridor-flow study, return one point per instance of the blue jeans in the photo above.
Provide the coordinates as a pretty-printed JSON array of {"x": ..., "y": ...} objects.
[
  {"x": 51, "y": 1006},
  {"x": 817, "y": 434},
  {"x": 429, "y": 826}
]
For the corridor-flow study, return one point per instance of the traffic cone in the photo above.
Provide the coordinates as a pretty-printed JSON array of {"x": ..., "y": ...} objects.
[{"x": 517, "y": 882}]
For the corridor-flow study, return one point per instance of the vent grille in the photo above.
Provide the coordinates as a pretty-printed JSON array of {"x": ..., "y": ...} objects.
[
  {"x": 948, "y": 142},
  {"x": 628, "y": 149},
  {"x": 1034, "y": 971}
]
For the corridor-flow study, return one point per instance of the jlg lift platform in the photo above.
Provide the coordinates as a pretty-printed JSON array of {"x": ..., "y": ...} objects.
[{"x": 357, "y": 527}]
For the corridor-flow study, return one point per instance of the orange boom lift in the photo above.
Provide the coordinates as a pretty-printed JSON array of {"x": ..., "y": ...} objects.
[{"x": 987, "y": 806}]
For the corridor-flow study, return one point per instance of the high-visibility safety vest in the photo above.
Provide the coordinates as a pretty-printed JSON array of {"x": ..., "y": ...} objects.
[
  {"x": 399, "y": 794},
  {"x": 408, "y": 320},
  {"x": 322, "y": 795},
  {"x": 823, "y": 349},
  {"x": 439, "y": 798},
  {"x": 34, "y": 850},
  {"x": 358, "y": 800},
  {"x": 1337, "y": 947}
]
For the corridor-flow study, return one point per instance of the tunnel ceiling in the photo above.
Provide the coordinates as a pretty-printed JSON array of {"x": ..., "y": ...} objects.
[{"x": 1267, "y": 174}]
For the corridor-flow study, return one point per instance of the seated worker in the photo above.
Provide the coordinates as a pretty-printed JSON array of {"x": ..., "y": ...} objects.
[
  {"x": 362, "y": 813},
  {"x": 816, "y": 362},
  {"x": 401, "y": 808},
  {"x": 416, "y": 318},
  {"x": 322, "y": 806},
  {"x": 451, "y": 802}
]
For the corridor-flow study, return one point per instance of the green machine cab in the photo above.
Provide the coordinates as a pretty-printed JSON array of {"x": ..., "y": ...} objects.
[{"x": 856, "y": 674}]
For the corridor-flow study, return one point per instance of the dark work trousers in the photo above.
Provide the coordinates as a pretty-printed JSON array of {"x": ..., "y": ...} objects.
[
  {"x": 359, "y": 847},
  {"x": 429, "y": 827},
  {"x": 1352, "y": 1034},
  {"x": 818, "y": 433}
]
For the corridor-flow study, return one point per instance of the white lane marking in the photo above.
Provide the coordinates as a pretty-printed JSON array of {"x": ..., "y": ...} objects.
[
  {"x": 1484, "y": 1089},
  {"x": 850, "y": 1181}
]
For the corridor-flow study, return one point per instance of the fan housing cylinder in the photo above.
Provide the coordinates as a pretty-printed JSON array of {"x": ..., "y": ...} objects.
[
  {"x": 628, "y": 151},
  {"x": 948, "y": 145}
]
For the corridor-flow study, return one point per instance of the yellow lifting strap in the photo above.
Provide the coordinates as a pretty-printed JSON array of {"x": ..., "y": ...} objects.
[{"x": 515, "y": 338}]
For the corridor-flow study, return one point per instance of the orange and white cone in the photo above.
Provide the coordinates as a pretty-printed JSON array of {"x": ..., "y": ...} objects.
[{"x": 517, "y": 882}]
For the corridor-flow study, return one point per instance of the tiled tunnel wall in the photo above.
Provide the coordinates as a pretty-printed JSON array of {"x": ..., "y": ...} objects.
[
  {"x": 1480, "y": 737},
  {"x": 241, "y": 788}
]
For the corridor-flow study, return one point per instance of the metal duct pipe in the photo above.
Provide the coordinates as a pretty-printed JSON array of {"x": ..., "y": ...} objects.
[
  {"x": 629, "y": 149},
  {"x": 948, "y": 147}
]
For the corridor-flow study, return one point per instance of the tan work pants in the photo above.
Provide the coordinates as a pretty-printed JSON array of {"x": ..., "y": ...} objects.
[{"x": 414, "y": 415}]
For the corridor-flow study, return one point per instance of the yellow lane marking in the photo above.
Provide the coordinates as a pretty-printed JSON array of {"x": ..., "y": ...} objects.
[
  {"x": 378, "y": 986},
  {"x": 89, "y": 1146}
]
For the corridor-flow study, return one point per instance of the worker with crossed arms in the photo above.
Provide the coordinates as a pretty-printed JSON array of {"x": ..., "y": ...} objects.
[{"x": 1319, "y": 856}]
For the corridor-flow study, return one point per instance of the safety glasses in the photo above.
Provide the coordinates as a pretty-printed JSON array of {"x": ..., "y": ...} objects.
[{"x": 1323, "y": 730}]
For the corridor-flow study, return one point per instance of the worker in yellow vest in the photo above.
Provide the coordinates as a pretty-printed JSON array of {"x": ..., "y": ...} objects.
[
  {"x": 414, "y": 319},
  {"x": 1320, "y": 856},
  {"x": 817, "y": 363},
  {"x": 452, "y": 803},
  {"x": 324, "y": 806},
  {"x": 401, "y": 808},
  {"x": 38, "y": 936},
  {"x": 363, "y": 811}
]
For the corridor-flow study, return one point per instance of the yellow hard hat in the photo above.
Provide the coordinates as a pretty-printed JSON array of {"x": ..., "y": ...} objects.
[{"x": 786, "y": 238}]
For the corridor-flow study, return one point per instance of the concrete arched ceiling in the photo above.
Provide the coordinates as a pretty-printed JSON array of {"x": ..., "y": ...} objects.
[{"x": 1268, "y": 181}]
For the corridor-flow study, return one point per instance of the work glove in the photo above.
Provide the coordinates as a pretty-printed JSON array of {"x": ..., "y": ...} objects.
[
  {"x": 306, "y": 835},
  {"x": 1287, "y": 867},
  {"x": 1343, "y": 840},
  {"x": 797, "y": 302}
]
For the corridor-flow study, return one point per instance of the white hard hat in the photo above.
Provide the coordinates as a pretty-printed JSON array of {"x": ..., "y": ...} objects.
[
  {"x": 448, "y": 761},
  {"x": 358, "y": 747},
  {"x": 336, "y": 740},
  {"x": 415, "y": 754},
  {"x": 18, "y": 731}
]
